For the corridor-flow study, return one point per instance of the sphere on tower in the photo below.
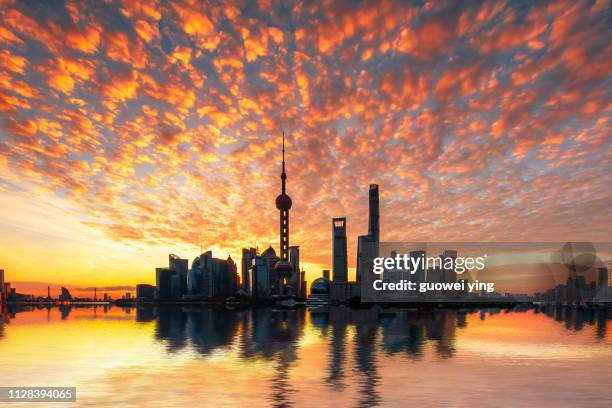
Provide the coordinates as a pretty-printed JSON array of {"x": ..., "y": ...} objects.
[
  {"x": 283, "y": 202},
  {"x": 283, "y": 268}
]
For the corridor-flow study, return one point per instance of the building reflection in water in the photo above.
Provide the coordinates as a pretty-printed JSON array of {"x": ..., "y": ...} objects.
[
  {"x": 266, "y": 334},
  {"x": 575, "y": 318},
  {"x": 273, "y": 335},
  {"x": 263, "y": 332},
  {"x": 355, "y": 339}
]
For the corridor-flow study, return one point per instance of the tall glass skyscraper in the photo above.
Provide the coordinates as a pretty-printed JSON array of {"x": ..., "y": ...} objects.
[
  {"x": 339, "y": 261},
  {"x": 367, "y": 245}
]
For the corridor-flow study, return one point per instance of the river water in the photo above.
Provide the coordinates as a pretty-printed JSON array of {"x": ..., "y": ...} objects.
[{"x": 328, "y": 357}]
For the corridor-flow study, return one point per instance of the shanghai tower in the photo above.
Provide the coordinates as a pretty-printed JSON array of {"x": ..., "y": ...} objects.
[{"x": 367, "y": 245}]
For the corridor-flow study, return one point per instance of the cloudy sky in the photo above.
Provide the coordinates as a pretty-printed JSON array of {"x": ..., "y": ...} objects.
[{"x": 132, "y": 130}]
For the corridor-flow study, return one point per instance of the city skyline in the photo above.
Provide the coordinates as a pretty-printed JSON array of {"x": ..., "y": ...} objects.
[
  {"x": 263, "y": 275},
  {"x": 155, "y": 132}
]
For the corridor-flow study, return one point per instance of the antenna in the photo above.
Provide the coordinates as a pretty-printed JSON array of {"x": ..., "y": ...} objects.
[{"x": 283, "y": 175}]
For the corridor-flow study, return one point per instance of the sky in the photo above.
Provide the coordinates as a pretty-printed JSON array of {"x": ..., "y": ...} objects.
[{"x": 130, "y": 130}]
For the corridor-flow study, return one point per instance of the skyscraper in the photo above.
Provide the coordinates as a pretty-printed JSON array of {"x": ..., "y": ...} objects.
[
  {"x": 367, "y": 245},
  {"x": 65, "y": 296},
  {"x": 373, "y": 221},
  {"x": 294, "y": 259},
  {"x": 213, "y": 277},
  {"x": 303, "y": 284},
  {"x": 1, "y": 284},
  {"x": 339, "y": 261},
  {"x": 248, "y": 254},
  {"x": 263, "y": 276},
  {"x": 163, "y": 282},
  {"x": 283, "y": 269},
  {"x": 181, "y": 267},
  {"x": 145, "y": 292},
  {"x": 603, "y": 278},
  {"x": 7, "y": 290}
]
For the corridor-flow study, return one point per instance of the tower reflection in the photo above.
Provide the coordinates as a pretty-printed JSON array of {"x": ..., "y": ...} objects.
[{"x": 353, "y": 345}]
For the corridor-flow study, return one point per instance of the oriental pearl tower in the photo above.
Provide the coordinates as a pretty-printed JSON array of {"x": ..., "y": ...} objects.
[{"x": 283, "y": 269}]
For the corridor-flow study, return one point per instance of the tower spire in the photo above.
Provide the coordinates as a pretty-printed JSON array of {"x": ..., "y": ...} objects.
[{"x": 283, "y": 175}]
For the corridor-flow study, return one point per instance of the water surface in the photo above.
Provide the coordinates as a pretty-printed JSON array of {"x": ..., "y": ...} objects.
[{"x": 328, "y": 357}]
